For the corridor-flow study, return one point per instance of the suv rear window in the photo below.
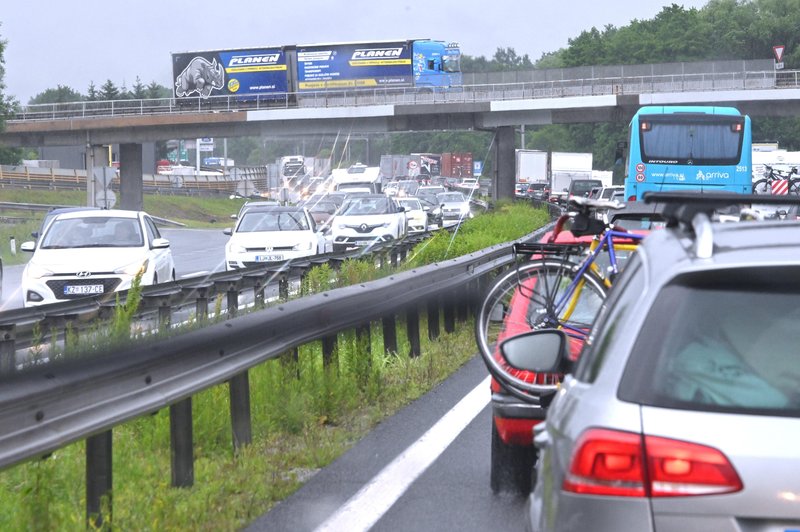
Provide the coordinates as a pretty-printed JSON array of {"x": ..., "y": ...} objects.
[
  {"x": 583, "y": 186},
  {"x": 721, "y": 341}
]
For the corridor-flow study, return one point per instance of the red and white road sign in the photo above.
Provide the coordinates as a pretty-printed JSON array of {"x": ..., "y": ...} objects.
[
  {"x": 780, "y": 187},
  {"x": 778, "y": 51}
]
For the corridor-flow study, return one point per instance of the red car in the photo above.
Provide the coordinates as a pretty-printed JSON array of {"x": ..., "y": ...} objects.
[{"x": 513, "y": 454}]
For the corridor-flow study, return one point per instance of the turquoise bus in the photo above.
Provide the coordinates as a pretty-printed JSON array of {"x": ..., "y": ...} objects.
[{"x": 689, "y": 148}]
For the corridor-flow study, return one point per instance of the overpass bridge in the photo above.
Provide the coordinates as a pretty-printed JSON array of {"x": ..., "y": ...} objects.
[{"x": 614, "y": 96}]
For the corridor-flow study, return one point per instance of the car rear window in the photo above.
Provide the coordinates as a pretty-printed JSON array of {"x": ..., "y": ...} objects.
[
  {"x": 581, "y": 187},
  {"x": 721, "y": 341}
]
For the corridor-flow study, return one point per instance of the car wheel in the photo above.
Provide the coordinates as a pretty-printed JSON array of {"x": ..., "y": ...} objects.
[{"x": 511, "y": 465}]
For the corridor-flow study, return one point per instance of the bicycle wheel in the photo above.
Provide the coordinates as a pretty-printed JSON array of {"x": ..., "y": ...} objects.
[
  {"x": 536, "y": 295},
  {"x": 762, "y": 186},
  {"x": 794, "y": 187}
]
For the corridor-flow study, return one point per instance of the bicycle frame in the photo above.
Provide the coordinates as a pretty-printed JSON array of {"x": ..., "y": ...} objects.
[{"x": 568, "y": 300}]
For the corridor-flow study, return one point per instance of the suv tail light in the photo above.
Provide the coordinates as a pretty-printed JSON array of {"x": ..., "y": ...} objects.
[{"x": 626, "y": 464}]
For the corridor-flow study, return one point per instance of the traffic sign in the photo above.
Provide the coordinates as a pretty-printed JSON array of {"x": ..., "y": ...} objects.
[
  {"x": 778, "y": 51},
  {"x": 105, "y": 199}
]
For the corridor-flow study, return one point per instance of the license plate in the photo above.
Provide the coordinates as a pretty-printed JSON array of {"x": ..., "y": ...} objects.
[
  {"x": 71, "y": 290},
  {"x": 269, "y": 258}
]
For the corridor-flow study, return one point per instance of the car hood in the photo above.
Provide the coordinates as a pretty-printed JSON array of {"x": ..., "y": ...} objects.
[
  {"x": 96, "y": 260},
  {"x": 271, "y": 238},
  {"x": 368, "y": 219}
]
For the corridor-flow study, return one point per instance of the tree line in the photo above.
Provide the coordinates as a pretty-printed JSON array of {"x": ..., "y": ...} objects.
[{"x": 720, "y": 30}]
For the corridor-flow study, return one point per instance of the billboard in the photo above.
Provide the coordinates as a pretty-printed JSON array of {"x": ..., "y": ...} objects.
[
  {"x": 229, "y": 72},
  {"x": 346, "y": 66}
]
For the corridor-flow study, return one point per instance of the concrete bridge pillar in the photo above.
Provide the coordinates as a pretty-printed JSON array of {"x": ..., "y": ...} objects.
[
  {"x": 131, "y": 189},
  {"x": 504, "y": 162}
]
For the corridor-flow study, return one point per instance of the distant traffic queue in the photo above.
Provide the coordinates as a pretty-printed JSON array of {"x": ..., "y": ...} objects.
[{"x": 275, "y": 71}]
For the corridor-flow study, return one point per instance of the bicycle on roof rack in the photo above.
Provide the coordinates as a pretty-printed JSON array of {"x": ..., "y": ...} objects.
[
  {"x": 777, "y": 182},
  {"x": 555, "y": 285}
]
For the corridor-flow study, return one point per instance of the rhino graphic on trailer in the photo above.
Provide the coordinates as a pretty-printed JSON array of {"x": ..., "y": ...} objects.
[{"x": 200, "y": 76}]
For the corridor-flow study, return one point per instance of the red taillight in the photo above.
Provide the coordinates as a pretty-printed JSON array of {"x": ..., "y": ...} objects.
[
  {"x": 679, "y": 468},
  {"x": 632, "y": 197},
  {"x": 608, "y": 462}
]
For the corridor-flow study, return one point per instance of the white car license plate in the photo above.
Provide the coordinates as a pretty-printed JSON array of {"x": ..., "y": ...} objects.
[
  {"x": 268, "y": 258},
  {"x": 71, "y": 290}
]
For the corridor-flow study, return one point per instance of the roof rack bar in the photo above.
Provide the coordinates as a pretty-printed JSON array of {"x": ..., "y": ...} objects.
[{"x": 680, "y": 207}]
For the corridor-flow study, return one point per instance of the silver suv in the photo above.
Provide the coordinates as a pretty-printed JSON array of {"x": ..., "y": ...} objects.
[{"x": 683, "y": 410}]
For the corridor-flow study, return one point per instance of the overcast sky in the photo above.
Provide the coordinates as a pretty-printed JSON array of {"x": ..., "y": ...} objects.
[{"x": 59, "y": 42}]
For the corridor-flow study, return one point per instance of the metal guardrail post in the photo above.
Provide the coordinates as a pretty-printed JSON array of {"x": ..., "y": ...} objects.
[
  {"x": 364, "y": 339},
  {"x": 463, "y": 304},
  {"x": 181, "y": 443},
  {"x": 239, "y": 388},
  {"x": 283, "y": 287},
  {"x": 449, "y": 313},
  {"x": 433, "y": 318},
  {"x": 98, "y": 478},
  {"x": 233, "y": 302},
  {"x": 329, "y": 349},
  {"x": 389, "y": 335},
  {"x": 412, "y": 327},
  {"x": 7, "y": 349}
]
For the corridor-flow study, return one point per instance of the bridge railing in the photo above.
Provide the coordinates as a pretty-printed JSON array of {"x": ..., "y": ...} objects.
[{"x": 767, "y": 79}]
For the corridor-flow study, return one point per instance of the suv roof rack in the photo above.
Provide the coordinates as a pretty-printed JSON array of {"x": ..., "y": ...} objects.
[
  {"x": 681, "y": 206},
  {"x": 693, "y": 210}
]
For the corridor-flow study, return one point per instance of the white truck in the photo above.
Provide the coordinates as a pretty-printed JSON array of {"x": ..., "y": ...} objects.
[
  {"x": 566, "y": 166},
  {"x": 357, "y": 176},
  {"x": 533, "y": 166}
]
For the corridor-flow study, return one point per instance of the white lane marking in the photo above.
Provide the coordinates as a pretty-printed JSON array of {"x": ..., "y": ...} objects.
[{"x": 364, "y": 508}]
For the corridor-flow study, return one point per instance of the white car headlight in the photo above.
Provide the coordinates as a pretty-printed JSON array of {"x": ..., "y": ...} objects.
[
  {"x": 236, "y": 249},
  {"x": 134, "y": 268},
  {"x": 37, "y": 272}
]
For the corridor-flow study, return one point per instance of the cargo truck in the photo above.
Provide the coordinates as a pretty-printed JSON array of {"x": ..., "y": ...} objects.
[
  {"x": 272, "y": 72},
  {"x": 533, "y": 166},
  {"x": 456, "y": 165}
]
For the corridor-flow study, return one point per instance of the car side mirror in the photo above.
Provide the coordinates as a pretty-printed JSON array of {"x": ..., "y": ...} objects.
[
  {"x": 28, "y": 246},
  {"x": 227, "y": 231},
  {"x": 160, "y": 243},
  {"x": 541, "y": 351}
]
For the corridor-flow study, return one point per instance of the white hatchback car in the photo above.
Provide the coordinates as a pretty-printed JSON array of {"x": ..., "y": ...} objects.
[
  {"x": 94, "y": 252},
  {"x": 366, "y": 220},
  {"x": 272, "y": 234},
  {"x": 415, "y": 214},
  {"x": 455, "y": 207}
]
